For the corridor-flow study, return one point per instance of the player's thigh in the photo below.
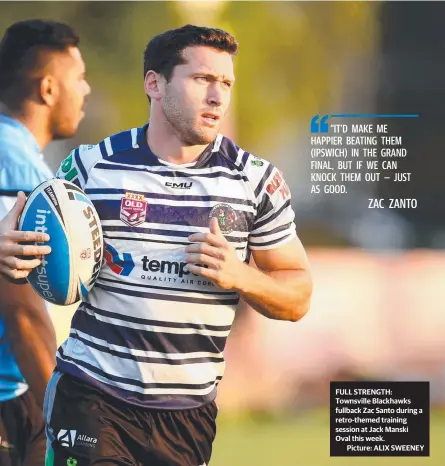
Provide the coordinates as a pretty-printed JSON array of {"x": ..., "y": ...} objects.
[
  {"x": 10, "y": 443},
  {"x": 182, "y": 438},
  {"x": 36, "y": 445},
  {"x": 80, "y": 428},
  {"x": 109, "y": 451},
  {"x": 21, "y": 431}
]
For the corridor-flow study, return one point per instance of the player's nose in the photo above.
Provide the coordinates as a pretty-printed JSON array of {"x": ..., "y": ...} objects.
[{"x": 214, "y": 97}]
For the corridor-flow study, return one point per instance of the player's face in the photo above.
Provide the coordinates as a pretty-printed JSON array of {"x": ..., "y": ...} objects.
[
  {"x": 198, "y": 94},
  {"x": 73, "y": 89}
]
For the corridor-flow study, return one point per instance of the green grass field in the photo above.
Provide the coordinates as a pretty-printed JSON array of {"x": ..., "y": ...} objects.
[{"x": 304, "y": 441}]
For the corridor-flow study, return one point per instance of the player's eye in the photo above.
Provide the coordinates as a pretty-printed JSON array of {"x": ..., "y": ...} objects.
[{"x": 206, "y": 79}]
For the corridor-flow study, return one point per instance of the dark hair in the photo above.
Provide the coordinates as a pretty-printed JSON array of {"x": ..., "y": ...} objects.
[
  {"x": 164, "y": 51},
  {"x": 21, "y": 50}
]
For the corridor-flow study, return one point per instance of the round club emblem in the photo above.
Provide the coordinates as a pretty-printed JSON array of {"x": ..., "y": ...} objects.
[{"x": 226, "y": 217}]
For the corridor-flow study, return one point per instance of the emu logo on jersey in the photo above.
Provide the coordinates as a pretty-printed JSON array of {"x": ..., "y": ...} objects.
[
  {"x": 226, "y": 217},
  {"x": 133, "y": 209}
]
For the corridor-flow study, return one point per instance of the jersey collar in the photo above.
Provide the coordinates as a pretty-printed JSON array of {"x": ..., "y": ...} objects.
[{"x": 154, "y": 160}]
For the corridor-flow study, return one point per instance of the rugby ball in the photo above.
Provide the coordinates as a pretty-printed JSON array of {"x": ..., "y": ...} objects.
[{"x": 63, "y": 211}]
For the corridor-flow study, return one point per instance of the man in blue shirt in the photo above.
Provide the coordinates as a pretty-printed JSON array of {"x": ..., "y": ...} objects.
[{"x": 42, "y": 91}]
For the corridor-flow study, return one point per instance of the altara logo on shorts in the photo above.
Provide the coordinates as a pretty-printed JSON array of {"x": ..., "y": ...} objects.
[
  {"x": 67, "y": 438},
  {"x": 70, "y": 438}
]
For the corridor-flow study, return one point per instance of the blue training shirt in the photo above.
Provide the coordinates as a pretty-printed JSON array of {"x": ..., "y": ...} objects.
[{"x": 22, "y": 168}]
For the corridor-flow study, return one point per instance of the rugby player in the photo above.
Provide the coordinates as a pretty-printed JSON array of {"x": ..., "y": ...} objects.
[
  {"x": 182, "y": 208},
  {"x": 42, "y": 90}
]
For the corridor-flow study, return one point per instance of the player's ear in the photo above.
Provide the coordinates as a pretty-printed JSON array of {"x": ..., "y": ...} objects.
[
  {"x": 49, "y": 90},
  {"x": 154, "y": 85}
]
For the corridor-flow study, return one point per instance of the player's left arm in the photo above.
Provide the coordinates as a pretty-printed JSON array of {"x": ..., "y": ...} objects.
[{"x": 281, "y": 287}]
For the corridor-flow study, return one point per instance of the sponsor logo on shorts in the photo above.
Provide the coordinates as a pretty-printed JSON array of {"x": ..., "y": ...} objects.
[
  {"x": 71, "y": 438},
  {"x": 71, "y": 462}
]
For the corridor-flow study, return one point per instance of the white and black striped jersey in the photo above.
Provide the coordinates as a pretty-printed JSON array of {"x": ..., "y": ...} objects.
[{"x": 151, "y": 332}]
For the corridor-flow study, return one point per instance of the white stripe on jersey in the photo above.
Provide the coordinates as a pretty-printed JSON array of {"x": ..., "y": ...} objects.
[
  {"x": 166, "y": 311},
  {"x": 108, "y": 147},
  {"x": 154, "y": 328},
  {"x": 190, "y": 172},
  {"x": 148, "y": 354},
  {"x": 138, "y": 375},
  {"x": 272, "y": 243},
  {"x": 169, "y": 291},
  {"x": 134, "y": 135},
  {"x": 217, "y": 143}
]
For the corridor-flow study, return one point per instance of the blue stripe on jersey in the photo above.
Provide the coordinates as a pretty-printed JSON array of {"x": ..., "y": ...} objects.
[
  {"x": 173, "y": 215},
  {"x": 265, "y": 177},
  {"x": 269, "y": 243},
  {"x": 169, "y": 288},
  {"x": 154, "y": 231},
  {"x": 273, "y": 216},
  {"x": 80, "y": 165},
  {"x": 171, "y": 174},
  {"x": 152, "y": 360},
  {"x": 145, "y": 340},
  {"x": 103, "y": 150},
  {"x": 133, "y": 157},
  {"x": 76, "y": 182},
  {"x": 172, "y": 197},
  {"x": 157, "y": 323},
  {"x": 121, "y": 142},
  {"x": 159, "y": 402},
  {"x": 183, "y": 299},
  {"x": 271, "y": 232},
  {"x": 137, "y": 383},
  {"x": 11, "y": 193},
  {"x": 244, "y": 159},
  {"x": 265, "y": 206}
]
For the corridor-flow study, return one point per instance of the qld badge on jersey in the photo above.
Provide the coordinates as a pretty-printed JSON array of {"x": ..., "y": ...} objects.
[{"x": 133, "y": 209}]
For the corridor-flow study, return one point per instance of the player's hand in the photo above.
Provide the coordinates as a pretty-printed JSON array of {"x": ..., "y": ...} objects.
[
  {"x": 11, "y": 265},
  {"x": 223, "y": 266}
]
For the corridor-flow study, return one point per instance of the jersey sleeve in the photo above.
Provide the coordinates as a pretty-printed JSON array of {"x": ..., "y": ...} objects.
[
  {"x": 76, "y": 167},
  {"x": 274, "y": 222},
  {"x": 15, "y": 177}
]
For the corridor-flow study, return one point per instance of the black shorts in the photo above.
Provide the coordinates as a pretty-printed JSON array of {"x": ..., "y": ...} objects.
[
  {"x": 86, "y": 427},
  {"x": 22, "y": 432}
]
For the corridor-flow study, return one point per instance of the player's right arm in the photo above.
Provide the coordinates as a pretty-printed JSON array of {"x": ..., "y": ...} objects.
[
  {"x": 30, "y": 333},
  {"x": 16, "y": 259}
]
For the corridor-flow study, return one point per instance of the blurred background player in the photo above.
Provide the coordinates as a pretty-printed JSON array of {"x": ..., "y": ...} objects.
[{"x": 42, "y": 94}]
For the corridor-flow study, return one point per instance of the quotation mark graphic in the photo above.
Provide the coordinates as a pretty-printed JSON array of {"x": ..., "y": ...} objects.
[{"x": 319, "y": 127}]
